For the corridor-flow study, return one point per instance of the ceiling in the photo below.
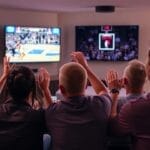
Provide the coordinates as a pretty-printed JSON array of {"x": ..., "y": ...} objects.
[{"x": 71, "y": 5}]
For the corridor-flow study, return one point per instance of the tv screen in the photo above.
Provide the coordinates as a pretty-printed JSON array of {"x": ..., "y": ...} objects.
[
  {"x": 107, "y": 42},
  {"x": 32, "y": 44}
]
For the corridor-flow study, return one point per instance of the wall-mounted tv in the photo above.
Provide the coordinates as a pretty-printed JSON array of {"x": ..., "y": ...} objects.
[
  {"x": 32, "y": 44},
  {"x": 108, "y": 42}
]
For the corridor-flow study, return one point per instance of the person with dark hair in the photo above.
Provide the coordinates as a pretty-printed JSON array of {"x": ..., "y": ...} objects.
[
  {"x": 22, "y": 127},
  {"x": 20, "y": 82},
  {"x": 79, "y": 122}
]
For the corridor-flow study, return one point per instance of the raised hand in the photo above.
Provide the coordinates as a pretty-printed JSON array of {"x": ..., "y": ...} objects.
[
  {"x": 6, "y": 66},
  {"x": 43, "y": 78},
  {"x": 112, "y": 80},
  {"x": 79, "y": 57},
  {"x": 6, "y": 70}
]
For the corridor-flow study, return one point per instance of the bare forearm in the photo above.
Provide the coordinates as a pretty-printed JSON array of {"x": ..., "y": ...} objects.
[
  {"x": 114, "y": 97},
  {"x": 2, "y": 80},
  {"x": 47, "y": 98},
  {"x": 97, "y": 84}
]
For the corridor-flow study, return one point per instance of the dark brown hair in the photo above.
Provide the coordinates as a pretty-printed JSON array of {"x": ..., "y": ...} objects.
[{"x": 20, "y": 83}]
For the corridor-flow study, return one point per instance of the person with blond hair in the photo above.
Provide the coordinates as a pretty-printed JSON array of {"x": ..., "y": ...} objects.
[
  {"x": 134, "y": 77},
  {"x": 133, "y": 118},
  {"x": 70, "y": 74},
  {"x": 79, "y": 121}
]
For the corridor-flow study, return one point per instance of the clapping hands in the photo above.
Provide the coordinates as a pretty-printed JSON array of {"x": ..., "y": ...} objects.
[{"x": 43, "y": 79}]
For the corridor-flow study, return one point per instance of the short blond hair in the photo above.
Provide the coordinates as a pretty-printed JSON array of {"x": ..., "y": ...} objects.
[
  {"x": 73, "y": 77},
  {"x": 136, "y": 74}
]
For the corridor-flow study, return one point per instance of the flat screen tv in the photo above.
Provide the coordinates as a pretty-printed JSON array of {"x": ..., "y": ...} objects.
[
  {"x": 108, "y": 42},
  {"x": 32, "y": 44}
]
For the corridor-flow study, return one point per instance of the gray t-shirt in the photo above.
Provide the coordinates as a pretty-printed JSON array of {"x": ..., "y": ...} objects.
[
  {"x": 124, "y": 99},
  {"x": 79, "y": 122}
]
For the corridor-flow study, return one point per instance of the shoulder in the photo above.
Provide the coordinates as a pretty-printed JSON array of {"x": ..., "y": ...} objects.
[
  {"x": 101, "y": 103},
  {"x": 141, "y": 102},
  {"x": 125, "y": 99},
  {"x": 134, "y": 110},
  {"x": 121, "y": 101},
  {"x": 133, "y": 106},
  {"x": 101, "y": 99},
  {"x": 126, "y": 108},
  {"x": 53, "y": 107}
]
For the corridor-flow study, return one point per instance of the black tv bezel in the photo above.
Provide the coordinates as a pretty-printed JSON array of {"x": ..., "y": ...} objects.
[
  {"x": 138, "y": 27},
  {"x": 29, "y": 26}
]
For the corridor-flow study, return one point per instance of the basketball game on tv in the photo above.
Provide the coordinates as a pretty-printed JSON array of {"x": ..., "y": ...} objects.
[
  {"x": 32, "y": 44},
  {"x": 108, "y": 43}
]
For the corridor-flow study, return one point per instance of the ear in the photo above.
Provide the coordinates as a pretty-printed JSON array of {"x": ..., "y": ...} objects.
[{"x": 62, "y": 89}]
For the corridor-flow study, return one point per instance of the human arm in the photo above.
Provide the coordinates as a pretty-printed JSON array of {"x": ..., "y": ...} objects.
[
  {"x": 114, "y": 87},
  {"x": 125, "y": 119},
  {"x": 44, "y": 81},
  {"x": 97, "y": 84},
  {"x": 6, "y": 69},
  {"x": 114, "y": 97},
  {"x": 122, "y": 123}
]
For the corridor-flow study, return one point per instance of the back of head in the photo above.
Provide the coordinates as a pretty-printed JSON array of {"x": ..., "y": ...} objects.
[
  {"x": 135, "y": 72},
  {"x": 73, "y": 77},
  {"x": 20, "y": 83}
]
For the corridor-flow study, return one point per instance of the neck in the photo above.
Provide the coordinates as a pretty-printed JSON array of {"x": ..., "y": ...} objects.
[{"x": 67, "y": 95}]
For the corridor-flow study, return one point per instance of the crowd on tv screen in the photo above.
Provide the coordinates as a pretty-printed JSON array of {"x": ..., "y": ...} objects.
[{"x": 125, "y": 46}]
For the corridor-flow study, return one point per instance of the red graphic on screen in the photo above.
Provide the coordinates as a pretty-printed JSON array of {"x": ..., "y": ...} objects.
[
  {"x": 107, "y": 28},
  {"x": 106, "y": 41}
]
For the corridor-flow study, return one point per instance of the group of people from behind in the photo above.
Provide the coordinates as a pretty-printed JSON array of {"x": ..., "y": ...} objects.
[
  {"x": 21, "y": 126},
  {"x": 79, "y": 121}
]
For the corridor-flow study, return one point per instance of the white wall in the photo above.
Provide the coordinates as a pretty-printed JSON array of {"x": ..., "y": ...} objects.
[{"x": 68, "y": 21}]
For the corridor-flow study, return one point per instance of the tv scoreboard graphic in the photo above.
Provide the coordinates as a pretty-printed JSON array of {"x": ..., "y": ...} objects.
[{"x": 106, "y": 39}]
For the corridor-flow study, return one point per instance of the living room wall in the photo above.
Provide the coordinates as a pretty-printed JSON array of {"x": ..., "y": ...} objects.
[{"x": 68, "y": 21}]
